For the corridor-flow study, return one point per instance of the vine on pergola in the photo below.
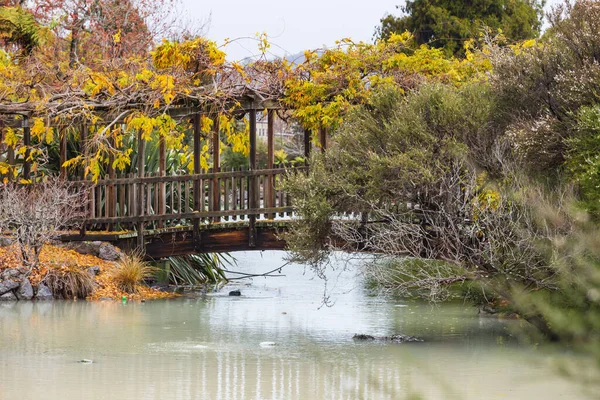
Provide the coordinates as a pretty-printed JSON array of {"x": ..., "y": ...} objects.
[{"x": 118, "y": 96}]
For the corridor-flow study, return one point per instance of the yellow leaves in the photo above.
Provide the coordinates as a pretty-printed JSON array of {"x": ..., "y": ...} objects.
[
  {"x": 163, "y": 125},
  {"x": 122, "y": 159},
  {"x": 519, "y": 47},
  {"x": 145, "y": 75},
  {"x": 41, "y": 132},
  {"x": 10, "y": 138},
  {"x": 4, "y": 168},
  {"x": 97, "y": 82},
  {"x": 73, "y": 162},
  {"x": 197, "y": 54},
  {"x": 144, "y": 124},
  {"x": 206, "y": 124},
  {"x": 117, "y": 37},
  {"x": 166, "y": 84},
  {"x": 263, "y": 42}
]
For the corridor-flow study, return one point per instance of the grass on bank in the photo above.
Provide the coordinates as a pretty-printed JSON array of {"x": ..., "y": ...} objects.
[{"x": 66, "y": 273}]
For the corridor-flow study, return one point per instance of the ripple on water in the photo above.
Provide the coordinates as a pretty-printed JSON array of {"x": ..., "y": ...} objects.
[{"x": 177, "y": 347}]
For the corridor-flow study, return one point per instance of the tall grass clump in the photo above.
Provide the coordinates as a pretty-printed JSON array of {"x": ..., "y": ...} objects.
[
  {"x": 70, "y": 281},
  {"x": 130, "y": 271}
]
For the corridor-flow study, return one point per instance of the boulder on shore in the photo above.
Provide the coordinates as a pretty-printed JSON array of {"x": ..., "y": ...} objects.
[
  {"x": 7, "y": 286},
  {"x": 5, "y": 241},
  {"x": 9, "y": 296},
  {"x": 11, "y": 274},
  {"x": 89, "y": 248},
  {"x": 25, "y": 290},
  {"x": 109, "y": 252},
  {"x": 43, "y": 293}
]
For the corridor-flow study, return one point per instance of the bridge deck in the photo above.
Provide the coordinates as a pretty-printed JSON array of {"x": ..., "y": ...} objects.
[{"x": 211, "y": 238}]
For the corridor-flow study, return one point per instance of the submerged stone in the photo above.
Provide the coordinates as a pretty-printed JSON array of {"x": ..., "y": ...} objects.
[
  {"x": 394, "y": 338},
  {"x": 360, "y": 336}
]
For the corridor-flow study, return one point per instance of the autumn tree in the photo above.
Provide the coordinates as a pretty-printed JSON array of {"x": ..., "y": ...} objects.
[
  {"x": 101, "y": 30},
  {"x": 447, "y": 24}
]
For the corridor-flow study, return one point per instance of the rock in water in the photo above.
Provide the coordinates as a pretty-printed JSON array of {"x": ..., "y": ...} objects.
[
  {"x": 235, "y": 293},
  {"x": 267, "y": 344},
  {"x": 25, "y": 291},
  {"x": 108, "y": 252},
  {"x": 10, "y": 296},
  {"x": 85, "y": 361},
  {"x": 363, "y": 337},
  {"x": 404, "y": 338},
  {"x": 393, "y": 338},
  {"x": 44, "y": 293}
]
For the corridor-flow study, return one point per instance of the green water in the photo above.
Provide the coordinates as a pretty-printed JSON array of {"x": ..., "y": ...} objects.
[{"x": 216, "y": 347}]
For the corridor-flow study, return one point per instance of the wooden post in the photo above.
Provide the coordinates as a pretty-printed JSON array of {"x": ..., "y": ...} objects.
[
  {"x": 162, "y": 186},
  {"x": 1, "y": 137},
  {"x": 139, "y": 211},
  {"x": 323, "y": 138},
  {"x": 197, "y": 189},
  {"x": 252, "y": 186},
  {"x": 83, "y": 145},
  {"x": 111, "y": 200},
  {"x": 83, "y": 149},
  {"x": 307, "y": 145},
  {"x": 270, "y": 187},
  {"x": 2, "y": 140},
  {"x": 27, "y": 144},
  {"x": 216, "y": 148},
  {"x": 63, "y": 153}
]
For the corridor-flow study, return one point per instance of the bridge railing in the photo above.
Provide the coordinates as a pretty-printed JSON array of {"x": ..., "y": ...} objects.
[{"x": 165, "y": 201}]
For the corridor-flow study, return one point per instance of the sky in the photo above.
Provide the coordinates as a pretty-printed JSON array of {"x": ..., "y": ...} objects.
[{"x": 292, "y": 26}]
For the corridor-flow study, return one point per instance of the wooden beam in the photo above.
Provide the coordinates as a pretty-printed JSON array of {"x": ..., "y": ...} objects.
[
  {"x": 63, "y": 153},
  {"x": 323, "y": 138},
  {"x": 191, "y": 215},
  {"x": 183, "y": 178},
  {"x": 162, "y": 170},
  {"x": 111, "y": 200},
  {"x": 307, "y": 144},
  {"x": 139, "y": 209},
  {"x": 83, "y": 146},
  {"x": 252, "y": 184},
  {"x": 1, "y": 137},
  {"x": 216, "y": 149},
  {"x": 270, "y": 187},
  {"x": 27, "y": 144},
  {"x": 198, "y": 201}
]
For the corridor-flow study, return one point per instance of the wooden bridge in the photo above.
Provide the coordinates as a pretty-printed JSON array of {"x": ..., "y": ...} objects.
[
  {"x": 175, "y": 215},
  {"x": 204, "y": 211}
]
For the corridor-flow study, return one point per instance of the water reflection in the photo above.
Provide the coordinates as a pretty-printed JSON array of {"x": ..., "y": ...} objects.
[{"x": 210, "y": 348}]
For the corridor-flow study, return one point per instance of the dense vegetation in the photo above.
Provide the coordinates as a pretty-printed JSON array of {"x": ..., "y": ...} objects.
[
  {"x": 472, "y": 158},
  {"x": 484, "y": 186},
  {"x": 447, "y": 24}
]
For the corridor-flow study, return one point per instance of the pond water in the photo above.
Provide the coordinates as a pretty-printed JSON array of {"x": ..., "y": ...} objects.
[{"x": 273, "y": 342}]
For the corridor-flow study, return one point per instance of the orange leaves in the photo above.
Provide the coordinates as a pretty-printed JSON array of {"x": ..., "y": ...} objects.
[{"x": 62, "y": 260}]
